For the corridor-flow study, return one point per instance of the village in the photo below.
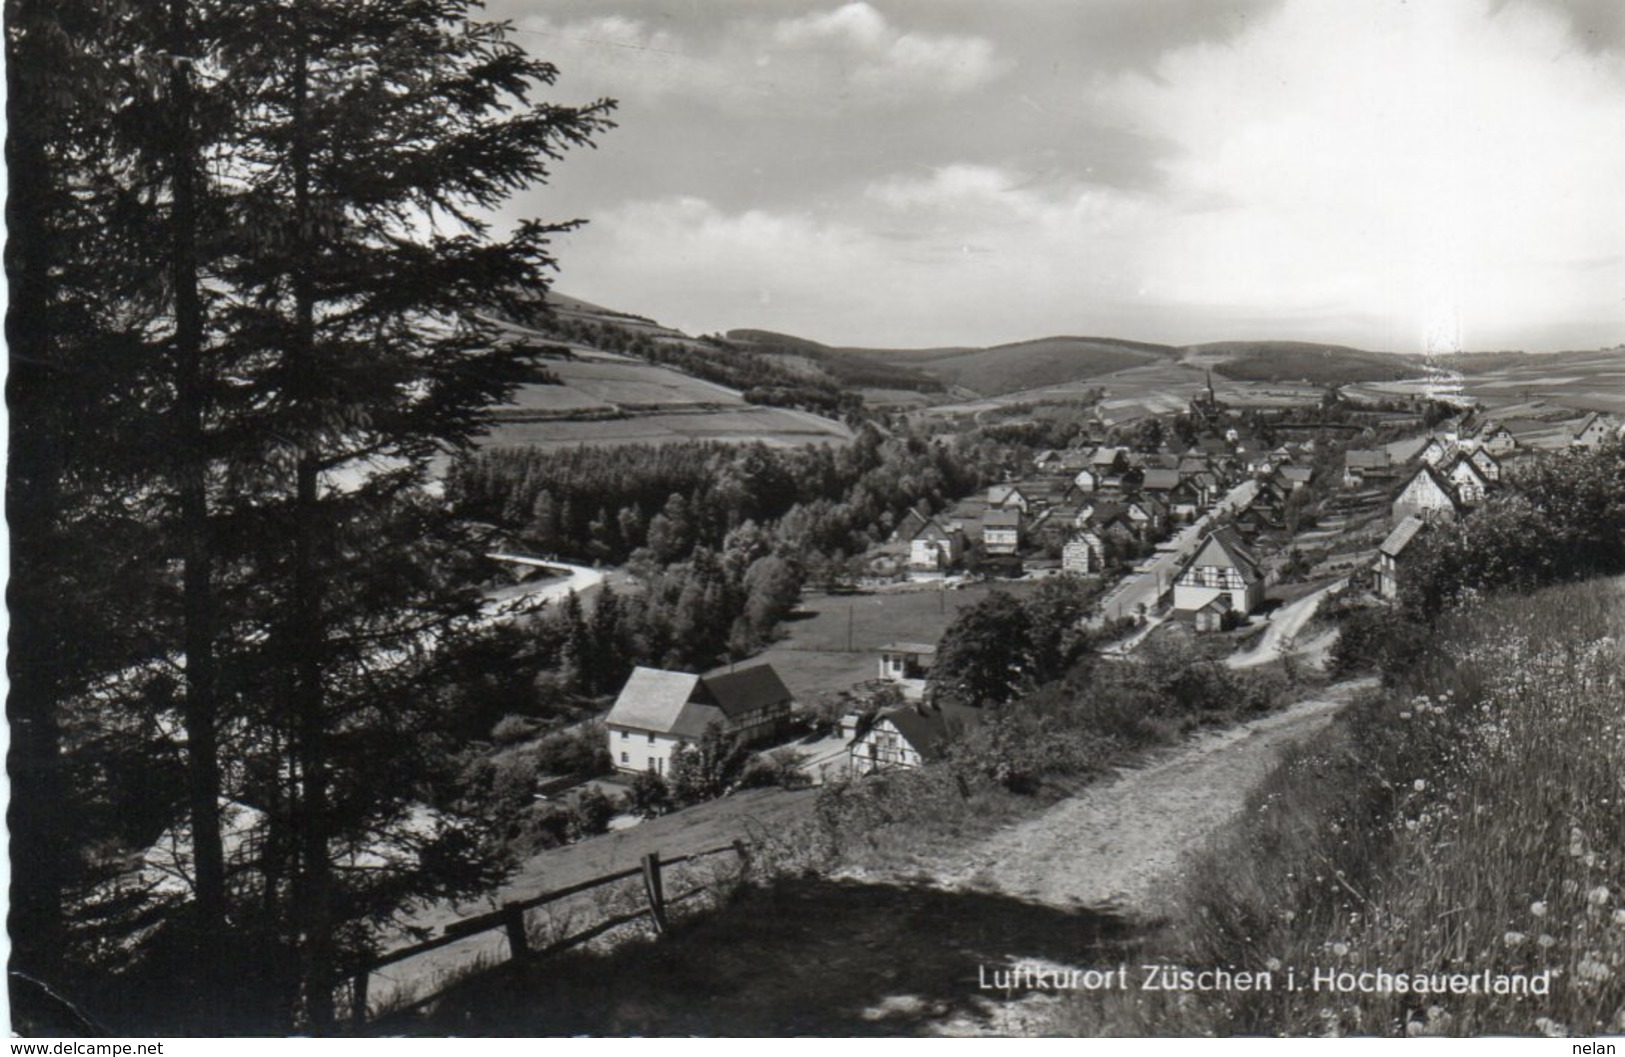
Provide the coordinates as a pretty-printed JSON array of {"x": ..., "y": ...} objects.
[{"x": 1211, "y": 538}]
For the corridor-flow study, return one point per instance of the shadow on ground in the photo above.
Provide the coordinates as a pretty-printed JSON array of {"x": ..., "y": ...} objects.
[{"x": 799, "y": 957}]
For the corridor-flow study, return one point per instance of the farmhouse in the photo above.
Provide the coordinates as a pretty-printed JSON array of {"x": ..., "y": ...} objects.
[
  {"x": 1469, "y": 481},
  {"x": 1221, "y": 566},
  {"x": 1358, "y": 464},
  {"x": 1001, "y": 531},
  {"x": 1487, "y": 464},
  {"x": 1436, "y": 451},
  {"x": 1591, "y": 431},
  {"x": 904, "y": 737},
  {"x": 935, "y": 547},
  {"x": 1008, "y": 497},
  {"x": 1084, "y": 554},
  {"x": 1391, "y": 555},
  {"x": 660, "y": 711},
  {"x": 1426, "y": 495}
]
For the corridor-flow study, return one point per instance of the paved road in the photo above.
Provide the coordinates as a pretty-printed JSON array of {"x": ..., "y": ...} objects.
[{"x": 506, "y": 604}]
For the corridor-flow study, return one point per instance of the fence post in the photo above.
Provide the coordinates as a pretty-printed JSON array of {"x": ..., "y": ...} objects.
[
  {"x": 513, "y": 920},
  {"x": 358, "y": 995},
  {"x": 655, "y": 889},
  {"x": 743, "y": 851}
]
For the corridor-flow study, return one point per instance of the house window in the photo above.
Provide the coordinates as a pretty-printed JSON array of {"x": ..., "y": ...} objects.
[
  {"x": 626, "y": 758},
  {"x": 652, "y": 762},
  {"x": 625, "y": 734},
  {"x": 651, "y": 737}
]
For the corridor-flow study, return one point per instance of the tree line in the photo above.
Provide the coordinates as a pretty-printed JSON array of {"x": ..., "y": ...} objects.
[{"x": 245, "y": 243}]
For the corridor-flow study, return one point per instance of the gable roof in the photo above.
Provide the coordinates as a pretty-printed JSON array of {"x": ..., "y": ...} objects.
[
  {"x": 1401, "y": 536},
  {"x": 652, "y": 699},
  {"x": 1360, "y": 459},
  {"x": 1159, "y": 479},
  {"x": 746, "y": 689},
  {"x": 1439, "y": 481},
  {"x": 928, "y": 729},
  {"x": 1104, "y": 456},
  {"x": 1001, "y": 519},
  {"x": 1464, "y": 462},
  {"x": 1224, "y": 550}
]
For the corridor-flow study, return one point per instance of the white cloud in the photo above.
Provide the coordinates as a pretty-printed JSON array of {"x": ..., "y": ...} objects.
[{"x": 827, "y": 60}]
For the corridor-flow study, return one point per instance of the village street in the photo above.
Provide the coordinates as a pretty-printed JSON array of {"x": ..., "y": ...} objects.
[{"x": 1145, "y": 586}]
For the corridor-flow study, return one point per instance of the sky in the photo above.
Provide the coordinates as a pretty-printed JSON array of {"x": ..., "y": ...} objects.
[{"x": 1409, "y": 175}]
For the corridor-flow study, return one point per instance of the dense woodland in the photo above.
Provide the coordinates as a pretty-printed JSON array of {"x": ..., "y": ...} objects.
[{"x": 238, "y": 619}]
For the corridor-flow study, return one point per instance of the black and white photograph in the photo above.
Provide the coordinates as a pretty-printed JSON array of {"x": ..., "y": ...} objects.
[{"x": 815, "y": 518}]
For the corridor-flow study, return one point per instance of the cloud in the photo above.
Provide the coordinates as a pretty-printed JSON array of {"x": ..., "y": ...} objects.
[{"x": 823, "y": 62}]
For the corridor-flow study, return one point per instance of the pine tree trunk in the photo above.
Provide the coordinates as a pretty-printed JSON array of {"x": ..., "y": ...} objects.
[
  {"x": 36, "y": 816},
  {"x": 202, "y": 742},
  {"x": 315, "y": 907}
]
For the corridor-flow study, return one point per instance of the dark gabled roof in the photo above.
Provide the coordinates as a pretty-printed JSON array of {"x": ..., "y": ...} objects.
[
  {"x": 1104, "y": 456},
  {"x": 1439, "y": 481},
  {"x": 1401, "y": 536},
  {"x": 1463, "y": 459},
  {"x": 1159, "y": 479},
  {"x": 1001, "y": 519},
  {"x": 928, "y": 729},
  {"x": 1296, "y": 474},
  {"x": 746, "y": 689},
  {"x": 1225, "y": 550}
]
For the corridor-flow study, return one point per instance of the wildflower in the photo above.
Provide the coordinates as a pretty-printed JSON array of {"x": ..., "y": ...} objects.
[
  {"x": 1404, "y": 715},
  {"x": 1619, "y": 917},
  {"x": 1340, "y": 949},
  {"x": 1512, "y": 939},
  {"x": 1273, "y": 964},
  {"x": 1538, "y": 908},
  {"x": 1544, "y": 941},
  {"x": 1419, "y": 785},
  {"x": 1592, "y": 970},
  {"x": 1551, "y": 1028},
  {"x": 1598, "y": 896}
]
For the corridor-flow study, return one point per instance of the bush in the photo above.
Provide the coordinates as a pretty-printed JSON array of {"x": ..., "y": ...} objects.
[
  {"x": 781, "y": 767},
  {"x": 589, "y": 812},
  {"x": 649, "y": 795},
  {"x": 581, "y": 751},
  {"x": 511, "y": 730}
]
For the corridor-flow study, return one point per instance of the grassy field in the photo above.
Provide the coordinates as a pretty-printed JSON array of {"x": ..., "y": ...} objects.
[
  {"x": 1465, "y": 821},
  {"x": 814, "y": 657}
]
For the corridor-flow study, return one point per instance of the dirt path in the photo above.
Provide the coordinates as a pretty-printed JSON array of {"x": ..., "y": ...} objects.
[
  {"x": 1108, "y": 847},
  {"x": 865, "y": 954},
  {"x": 1283, "y": 628}
]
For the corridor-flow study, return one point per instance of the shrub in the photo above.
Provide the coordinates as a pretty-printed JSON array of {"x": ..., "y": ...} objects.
[
  {"x": 589, "y": 811},
  {"x": 649, "y": 795},
  {"x": 581, "y": 751},
  {"x": 511, "y": 730}
]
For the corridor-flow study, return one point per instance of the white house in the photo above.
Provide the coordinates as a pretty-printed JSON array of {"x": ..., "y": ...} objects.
[
  {"x": 660, "y": 711},
  {"x": 906, "y": 664},
  {"x": 1426, "y": 495},
  {"x": 1084, "y": 553},
  {"x": 1469, "y": 481},
  {"x": 1591, "y": 431},
  {"x": 1222, "y": 565},
  {"x": 935, "y": 547},
  {"x": 904, "y": 737},
  {"x": 1001, "y": 531}
]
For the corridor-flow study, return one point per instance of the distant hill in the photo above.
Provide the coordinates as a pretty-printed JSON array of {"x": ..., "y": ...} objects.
[
  {"x": 852, "y": 368},
  {"x": 1302, "y": 361}
]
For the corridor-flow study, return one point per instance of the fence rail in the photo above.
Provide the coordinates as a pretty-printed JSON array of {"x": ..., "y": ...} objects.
[{"x": 510, "y": 917}]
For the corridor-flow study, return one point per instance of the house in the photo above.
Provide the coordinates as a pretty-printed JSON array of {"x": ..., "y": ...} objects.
[
  {"x": 1221, "y": 565},
  {"x": 1359, "y": 463},
  {"x": 1001, "y": 531},
  {"x": 1049, "y": 461},
  {"x": 1591, "y": 431},
  {"x": 1496, "y": 439},
  {"x": 1295, "y": 477},
  {"x": 904, "y": 737},
  {"x": 1107, "y": 461},
  {"x": 1436, "y": 451},
  {"x": 1487, "y": 464},
  {"x": 909, "y": 525},
  {"x": 902, "y": 662},
  {"x": 1149, "y": 517},
  {"x": 1087, "y": 480},
  {"x": 935, "y": 547},
  {"x": 1390, "y": 555},
  {"x": 1426, "y": 495},
  {"x": 1469, "y": 481},
  {"x": 1159, "y": 480},
  {"x": 659, "y": 712},
  {"x": 1008, "y": 497},
  {"x": 1084, "y": 554}
]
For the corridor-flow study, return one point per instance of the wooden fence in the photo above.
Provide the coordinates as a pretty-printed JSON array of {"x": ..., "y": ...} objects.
[{"x": 510, "y": 918}]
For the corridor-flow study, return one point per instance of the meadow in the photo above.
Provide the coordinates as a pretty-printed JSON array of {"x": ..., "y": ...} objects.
[{"x": 1466, "y": 820}]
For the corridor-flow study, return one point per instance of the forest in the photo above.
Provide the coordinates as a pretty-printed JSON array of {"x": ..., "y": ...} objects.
[{"x": 246, "y": 247}]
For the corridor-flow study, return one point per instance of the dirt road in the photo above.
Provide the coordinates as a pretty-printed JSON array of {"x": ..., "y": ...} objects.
[
  {"x": 1109, "y": 847},
  {"x": 874, "y": 954}
]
